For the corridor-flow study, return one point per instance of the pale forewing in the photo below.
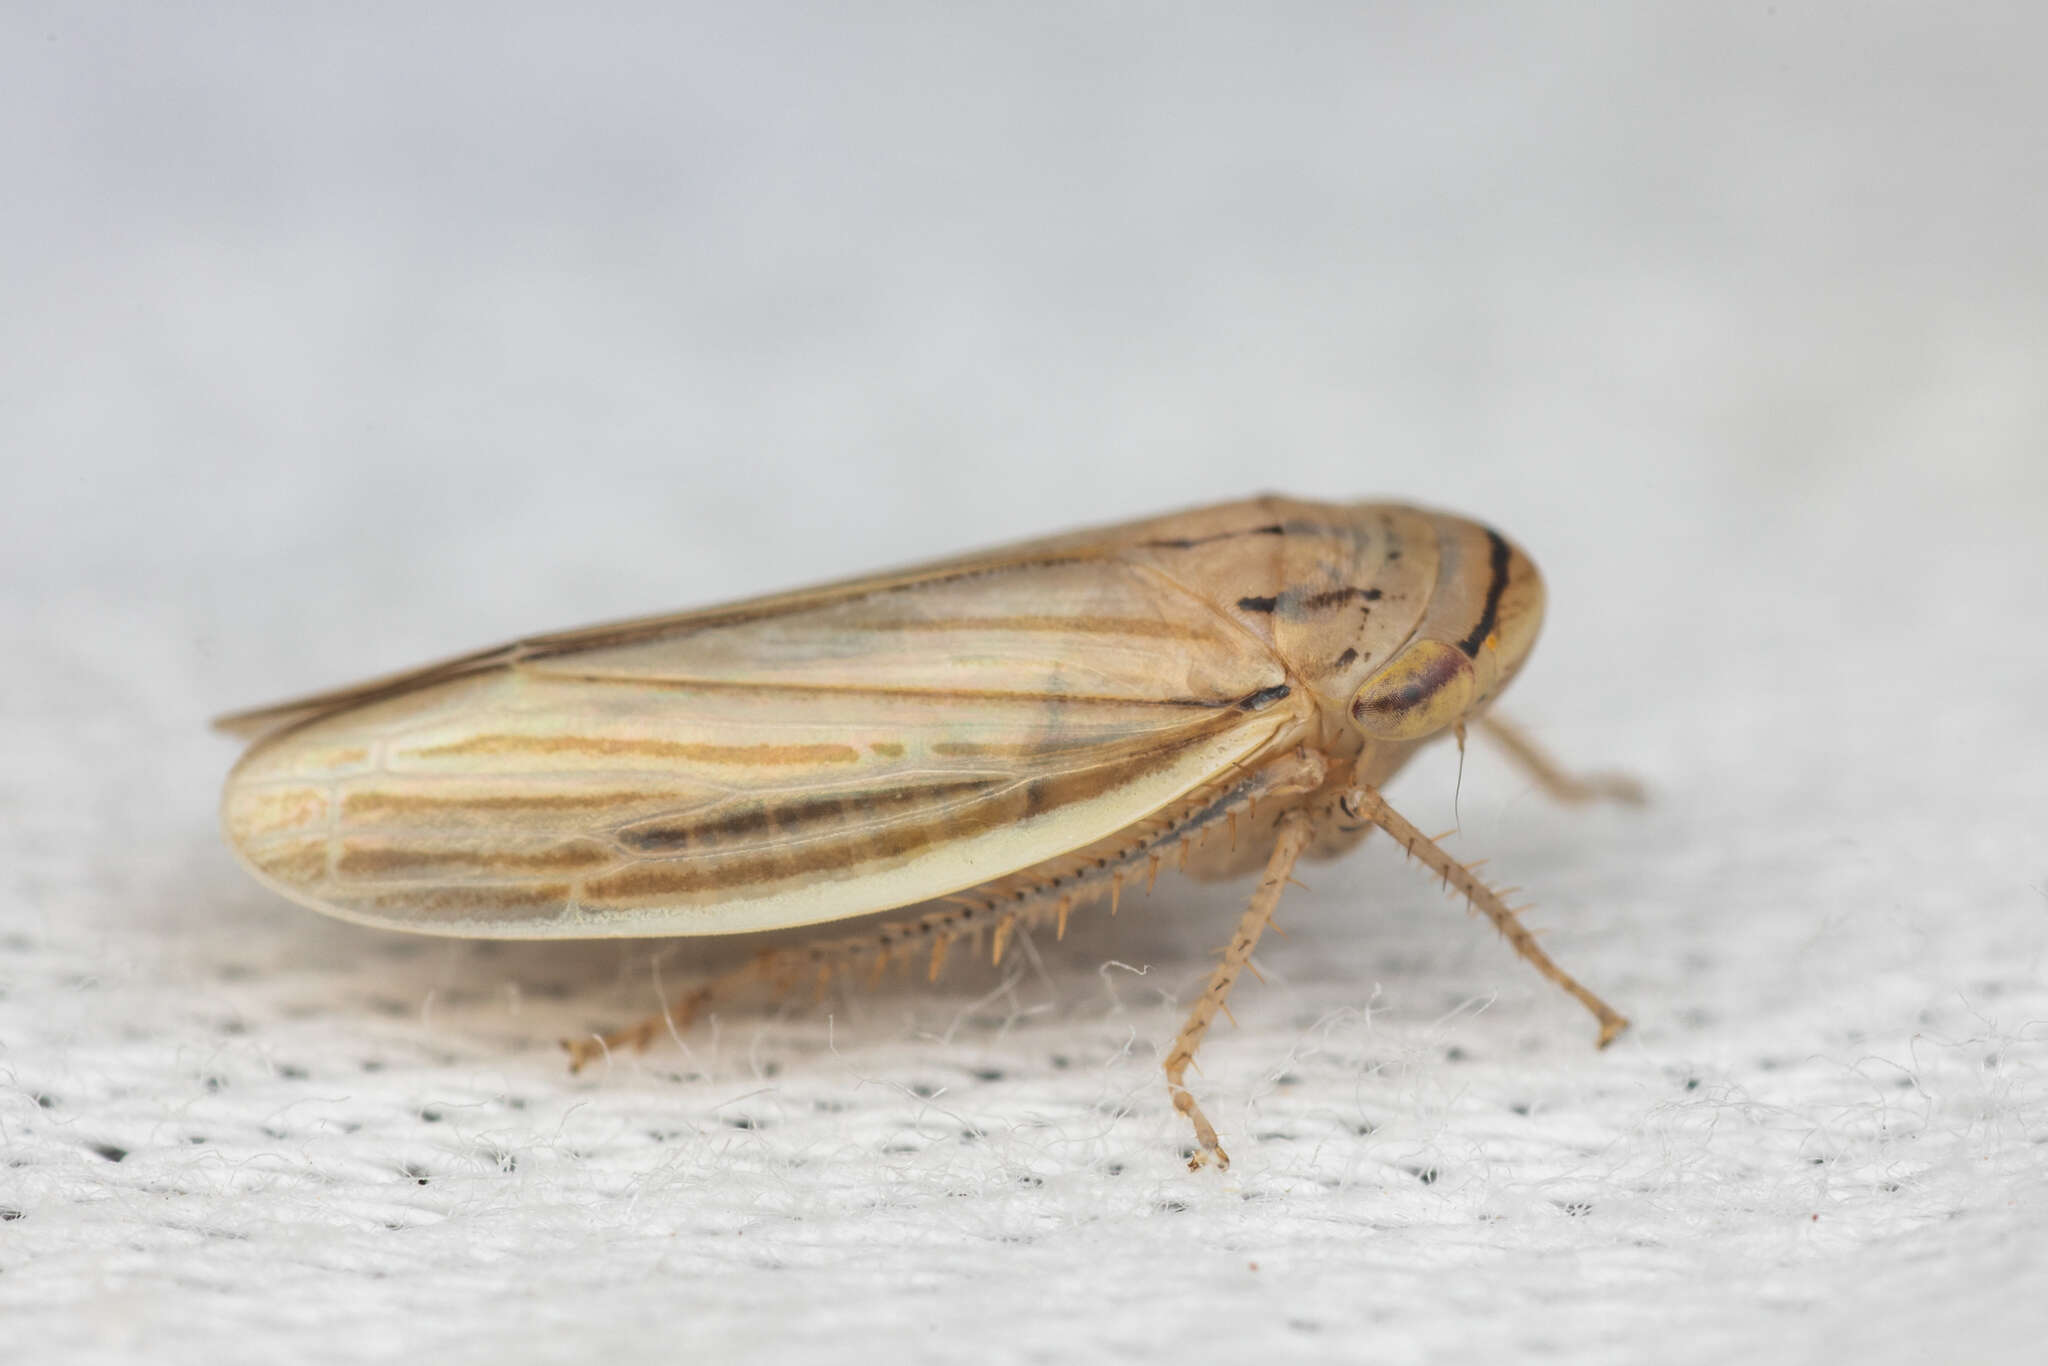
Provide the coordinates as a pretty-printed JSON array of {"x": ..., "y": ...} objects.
[
  {"x": 780, "y": 763},
  {"x": 1065, "y": 573}
]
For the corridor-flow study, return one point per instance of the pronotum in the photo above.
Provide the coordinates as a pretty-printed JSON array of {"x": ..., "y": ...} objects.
[{"x": 996, "y": 739}]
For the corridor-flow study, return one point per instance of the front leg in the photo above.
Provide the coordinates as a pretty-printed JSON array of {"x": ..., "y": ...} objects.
[{"x": 1363, "y": 804}]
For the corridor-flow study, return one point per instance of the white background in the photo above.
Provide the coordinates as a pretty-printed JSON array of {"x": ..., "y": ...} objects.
[{"x": 330, "y": 345}]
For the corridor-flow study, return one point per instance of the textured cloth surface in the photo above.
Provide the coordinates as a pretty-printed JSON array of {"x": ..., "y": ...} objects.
[{"x": 333, "y": 349}]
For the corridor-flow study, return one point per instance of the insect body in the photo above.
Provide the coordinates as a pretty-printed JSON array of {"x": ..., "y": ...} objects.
[{"x": 1008, "y": 735}]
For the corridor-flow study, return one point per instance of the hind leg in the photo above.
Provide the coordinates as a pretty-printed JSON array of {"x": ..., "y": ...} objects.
[{"x": 1560, "y": 783}]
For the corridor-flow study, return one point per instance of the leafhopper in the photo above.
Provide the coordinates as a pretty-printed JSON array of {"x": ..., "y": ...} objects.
[{"x": 995, "y": 739}]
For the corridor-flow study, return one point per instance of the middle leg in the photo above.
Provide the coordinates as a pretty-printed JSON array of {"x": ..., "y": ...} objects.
[{"x": 1294, "y": 831}]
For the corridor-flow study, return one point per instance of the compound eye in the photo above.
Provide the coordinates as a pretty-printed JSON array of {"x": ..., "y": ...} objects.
[{"x": 1426, "y": 688}]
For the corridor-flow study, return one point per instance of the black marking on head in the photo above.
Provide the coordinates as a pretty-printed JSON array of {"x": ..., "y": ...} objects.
[
  {"x": 1258, "y": 604},
  {"x": 1494, "y": 588},
  {"x": 1189, "y": 542},
  {"x": 1345, "y": 660},
  {"x": 1264, "y": 697}
]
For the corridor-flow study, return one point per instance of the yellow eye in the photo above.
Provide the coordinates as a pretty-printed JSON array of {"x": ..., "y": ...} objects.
[{"x": 1424, "y": 689}]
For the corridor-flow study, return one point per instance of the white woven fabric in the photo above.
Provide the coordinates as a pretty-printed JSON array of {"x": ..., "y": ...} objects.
[{"x": 342, "y": 350}]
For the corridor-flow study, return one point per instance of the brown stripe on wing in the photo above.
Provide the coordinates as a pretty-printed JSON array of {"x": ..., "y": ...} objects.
[
  {"x": 1148, "y": 627},
  {"x": 797, "y": 818},
  {"x": 387, "y": 805},
  {"x": 266, "y": 812},
  {"x": 492, "y": 899},
  {"x": 296, "y": 863},
  {"x": 782, "y": 688},
  {"x": 839, "y": 838},
  {"x": 383, "y": 861},
  {"x": 625, "y": 747}
]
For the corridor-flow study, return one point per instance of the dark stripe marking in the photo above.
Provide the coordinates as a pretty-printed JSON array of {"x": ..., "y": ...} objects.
[
  {"x": 1264, "y": 697},
  {"x": 701, "y": 876},
  {"x": 1316, "y": 602},
  {"x": 1190, "y": 542},
  {"x": 1494, "y": 588},
  {"x": 1294, "y": 604},
  {"x": 794, "y": 820}
]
